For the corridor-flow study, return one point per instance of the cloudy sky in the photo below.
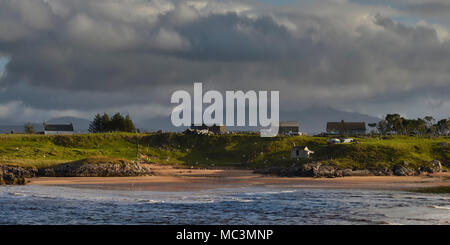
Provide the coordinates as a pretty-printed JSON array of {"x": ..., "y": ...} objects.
[{"x": 81, "y": 57}]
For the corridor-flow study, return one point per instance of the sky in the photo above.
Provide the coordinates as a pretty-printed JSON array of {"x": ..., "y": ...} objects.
[{"x": 78, "y": 58}]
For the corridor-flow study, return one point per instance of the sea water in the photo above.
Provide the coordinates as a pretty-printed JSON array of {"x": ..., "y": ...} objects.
[{"x": 248, "y": 205}]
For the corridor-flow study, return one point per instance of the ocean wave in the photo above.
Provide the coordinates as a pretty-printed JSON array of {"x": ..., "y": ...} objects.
[
  {"x": 17, "y": 194},
  {"x": 288, "y": 191},
  {"x": 154, "y": 201},
  {"x": 44, "y": 196},
  {"x": 241, "y": 200},
  {"x": 441, "y": 207}
]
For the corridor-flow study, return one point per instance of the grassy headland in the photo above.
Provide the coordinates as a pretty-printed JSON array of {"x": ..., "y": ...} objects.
[{"x": 246, "y": 151}]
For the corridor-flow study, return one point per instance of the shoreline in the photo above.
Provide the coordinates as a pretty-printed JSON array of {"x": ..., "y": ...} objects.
[{"x": 170, "y": 179}]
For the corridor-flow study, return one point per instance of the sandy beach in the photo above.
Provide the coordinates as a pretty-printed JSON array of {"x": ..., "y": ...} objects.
[{"x": 169, "y": 178}]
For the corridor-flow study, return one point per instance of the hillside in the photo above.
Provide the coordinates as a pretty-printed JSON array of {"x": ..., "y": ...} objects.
[{"x": 246, "y": 151}]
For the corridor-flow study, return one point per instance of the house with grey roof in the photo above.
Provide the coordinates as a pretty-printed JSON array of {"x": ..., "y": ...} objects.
[
  {"x": 288, "y": 128},
  {"x": 58, "y": 129},
  {"x": 346, "y": 128}
]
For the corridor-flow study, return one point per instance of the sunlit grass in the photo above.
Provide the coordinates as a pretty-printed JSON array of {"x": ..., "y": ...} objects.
[{"x": 250, "y": 151}]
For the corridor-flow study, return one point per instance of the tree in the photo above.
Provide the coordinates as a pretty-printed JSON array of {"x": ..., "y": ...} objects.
[
  {"x": 443, "y": 127},
  {"x": 409, "y": 126},
  {"x": 117, "y": 123},
  {"x": 421, "y": 126},
  {"x": 105, "y": 123},
  {"x": 129, "y": 125},
  {"x": 383, "y": 127},
  {"x": 96, "y": 126},
  {"x": 29, "y": 128},
  {"x": 414, "y": 126},
  {"x": 430, "y": 122},
  {"x": 395, "y": 123}
]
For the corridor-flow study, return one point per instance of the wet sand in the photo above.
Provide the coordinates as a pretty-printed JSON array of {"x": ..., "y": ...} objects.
[{"x": 168, "y": 179}]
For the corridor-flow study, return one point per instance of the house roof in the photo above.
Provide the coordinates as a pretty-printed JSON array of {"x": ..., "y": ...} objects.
[
  {"x": 299, "y": 147},
  {"x": 58, "y": 127},
  {"x": 343, "y": 126},
  {"x": 206, "y": 126},
  {"x": 288, "y": 124},
  {"x": 303, "y": 148}
]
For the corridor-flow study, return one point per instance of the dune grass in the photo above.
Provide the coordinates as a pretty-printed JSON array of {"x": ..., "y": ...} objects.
[{"x": 241, "y": 150}]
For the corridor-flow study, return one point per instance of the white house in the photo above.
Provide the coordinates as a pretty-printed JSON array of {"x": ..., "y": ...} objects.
[
  {"x": 300, "y": 152},
  {"x": 52, "y": 129},
  {"x": 349, "y": 128}
]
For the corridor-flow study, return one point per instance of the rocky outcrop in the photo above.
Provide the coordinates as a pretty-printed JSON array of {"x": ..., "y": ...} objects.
[
  {"x": 404, "y": 171},
  {"x": 15, "y": 175},
  {"x": 306, "y": 170},
  {"x": 93, "y": 167},
  {"x": 434, "y": 166},
  {"x": 382, "y": 171},
  {"x": 321, "y": 170},
  {"x": 99, "y": 168}
]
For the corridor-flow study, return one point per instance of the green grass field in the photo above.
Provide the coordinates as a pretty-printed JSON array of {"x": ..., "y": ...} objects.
[{"x": 247, "y": 151}]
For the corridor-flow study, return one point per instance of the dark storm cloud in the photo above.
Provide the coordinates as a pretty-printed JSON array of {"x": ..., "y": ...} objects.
[
  {"x": 54, "y": 60},
  {"x": 85, "y": 56},
  {"x": 235, "y": 38}
]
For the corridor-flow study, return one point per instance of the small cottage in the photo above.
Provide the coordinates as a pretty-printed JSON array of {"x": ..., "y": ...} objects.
[
  {"x": 288, "y": 128},
  {"x": 342, "y": 128},
  {"x": 59, "y": 129},
  {"x": 300, "y": 152}
]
